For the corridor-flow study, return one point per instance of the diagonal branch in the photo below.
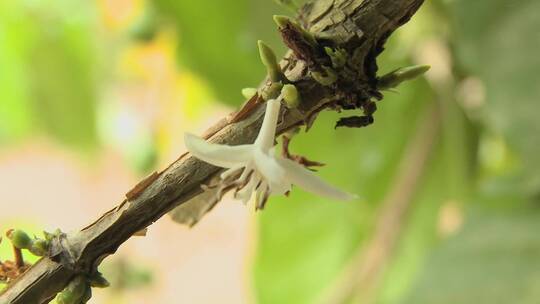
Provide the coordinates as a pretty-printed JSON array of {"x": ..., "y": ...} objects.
[{"x": 359, "y": 27}]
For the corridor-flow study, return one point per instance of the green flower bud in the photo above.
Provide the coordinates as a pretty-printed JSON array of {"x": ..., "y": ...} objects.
[
  {"x": 327, "y": 79},
  {"x": 74, "y": 291},
  {"x": 19, "y": 239},
  {"x": 282, "y": 21},
  {"x": 39, "y": 247},
  {"x": 249, "y": 92},
  {"x": 97, "y": 280},
  {"x": 290, "y": 95},
  {"x": 268, "y": 58},
  {"x": 394, "y": 78},
  {"x": 338, "y": 56}
]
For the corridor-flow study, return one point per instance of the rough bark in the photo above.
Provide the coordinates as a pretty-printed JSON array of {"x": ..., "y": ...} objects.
[{"x": 360, "y": 27}]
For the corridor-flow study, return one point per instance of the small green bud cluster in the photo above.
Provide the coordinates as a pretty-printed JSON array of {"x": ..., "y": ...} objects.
[
  {"x": 79, "y": 289},
  {"x": 338, "y": 56},
  {"x": 21, "y": 240},
  {"x": 279, "y": 85}
]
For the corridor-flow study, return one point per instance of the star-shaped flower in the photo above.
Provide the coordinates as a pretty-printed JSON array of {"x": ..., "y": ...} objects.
[{"x": 256, "y": 167}]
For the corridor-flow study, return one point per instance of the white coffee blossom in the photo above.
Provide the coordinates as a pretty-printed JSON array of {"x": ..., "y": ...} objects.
[{"x": 258, "y": 168}]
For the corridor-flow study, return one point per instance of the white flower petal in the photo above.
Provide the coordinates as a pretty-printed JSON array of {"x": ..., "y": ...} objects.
[
  {"x": 268, "y": 168},
  {"x": 305, "y": 179},
  {"x": 280, "y": 188},
  {"x": 245, "y": 194},
  {"x": 229, "y": 172},
  {"x": 265, "y": 139},
  {"x": 248, "y": 169},
  {"x": 217, "y": 155}
]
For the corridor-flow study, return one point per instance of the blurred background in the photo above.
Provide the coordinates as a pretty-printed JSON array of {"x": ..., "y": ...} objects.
[{"x": 94, "y": 95}]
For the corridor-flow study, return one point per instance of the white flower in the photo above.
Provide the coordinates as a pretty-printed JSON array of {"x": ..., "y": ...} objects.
[{"x": 262, "y": 170}]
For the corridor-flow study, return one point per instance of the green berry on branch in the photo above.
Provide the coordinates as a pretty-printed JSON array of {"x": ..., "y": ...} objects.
[
  {"x": 19, "y": 238},
  {"x": 290, "y": 96}
]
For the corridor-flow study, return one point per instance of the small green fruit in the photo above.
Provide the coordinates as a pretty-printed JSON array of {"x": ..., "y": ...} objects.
[
  {"x": 290, "y": 95},
  {"x": 19, "y": 239}
]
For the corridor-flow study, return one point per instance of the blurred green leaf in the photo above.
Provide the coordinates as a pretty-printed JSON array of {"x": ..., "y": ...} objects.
[
  {"x": 48, "y": 81},
  {"x": 498, "y": 41},
  {"x": 15, "y": 119},
  {"x": 62, "y": 83},
  {"x": 420, "y": 233},
  {"x": 493, "y": 260},
  {"x": 218, "y": 39}
]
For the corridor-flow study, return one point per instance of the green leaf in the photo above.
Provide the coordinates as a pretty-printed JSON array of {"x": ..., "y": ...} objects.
[
  {"x": 62, "y": 81},
  {"x": 419, "y": 235},
  {"x": 497, "y": 41},
  {"x": 15, "y": 118},
  {"x": 494, "y": 259},
  {"x": 47, "y": 79}
]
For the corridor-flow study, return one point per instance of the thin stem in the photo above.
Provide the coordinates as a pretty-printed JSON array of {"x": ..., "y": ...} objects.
[{"x": 19, "y": 260}]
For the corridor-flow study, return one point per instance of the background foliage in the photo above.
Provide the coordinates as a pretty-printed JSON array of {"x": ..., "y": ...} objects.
[{"x": 470, "y": 230}]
